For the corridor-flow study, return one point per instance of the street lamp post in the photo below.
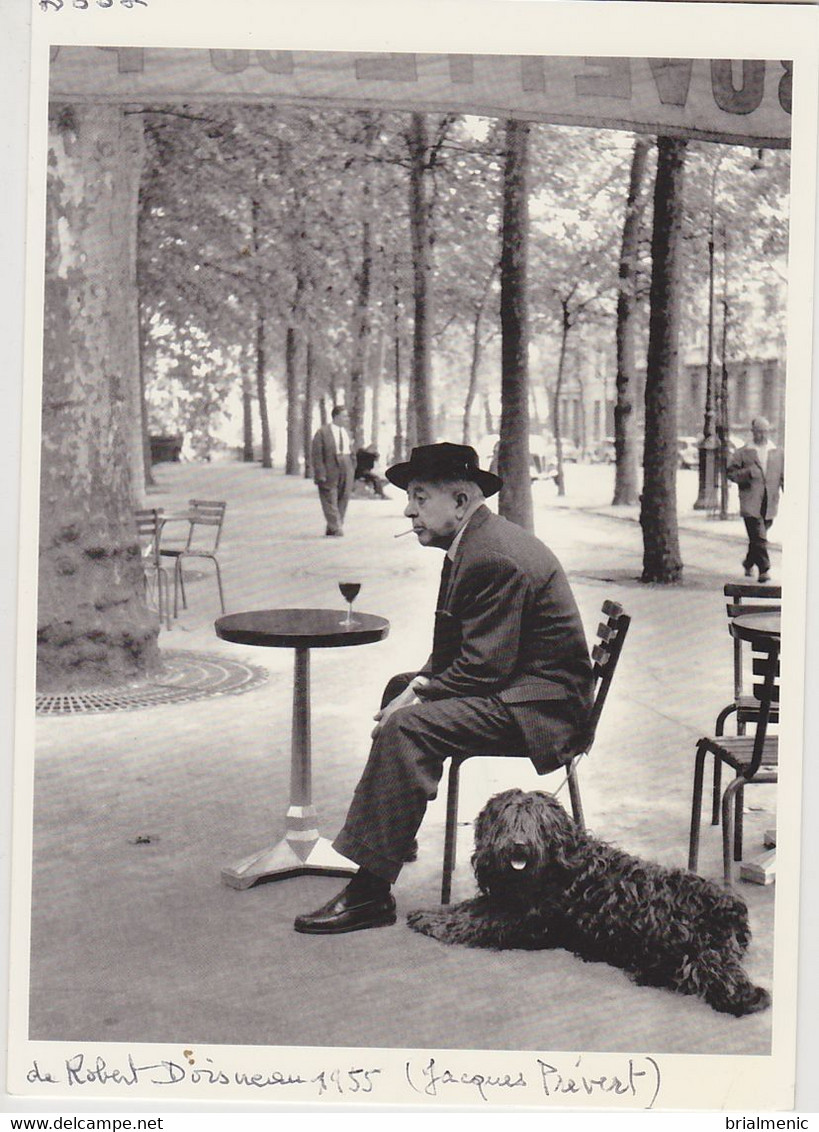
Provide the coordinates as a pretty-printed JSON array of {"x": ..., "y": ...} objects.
[
  {"x": 707, "y": 495},
  {"x": 724, "y": 425}
]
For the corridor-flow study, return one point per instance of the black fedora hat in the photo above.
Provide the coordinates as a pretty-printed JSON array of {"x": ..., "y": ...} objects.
[{"x": 442, "y": 462}]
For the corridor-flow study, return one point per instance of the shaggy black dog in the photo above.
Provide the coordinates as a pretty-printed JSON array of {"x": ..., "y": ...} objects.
[{"x": 545, "y": 882}]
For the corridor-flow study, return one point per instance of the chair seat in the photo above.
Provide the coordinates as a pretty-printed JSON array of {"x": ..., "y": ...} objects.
[
  {"x": 185, "y": 552},
  {"x": 737, "y": 750}
]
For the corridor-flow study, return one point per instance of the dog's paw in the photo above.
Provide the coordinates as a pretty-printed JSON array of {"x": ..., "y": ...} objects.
[{"x": 433, "y": 922}]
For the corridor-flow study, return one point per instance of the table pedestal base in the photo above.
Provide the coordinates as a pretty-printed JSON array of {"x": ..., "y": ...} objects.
[{"x": 289, "y": 860}]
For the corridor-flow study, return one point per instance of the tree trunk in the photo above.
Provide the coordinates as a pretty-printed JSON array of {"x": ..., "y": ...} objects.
[
  {"x": 132, "y": 156},
  {"x": 377, "y": 379},
  {"x": 422, "y": 283},
  {"x": 475, "y": 360},
  {"x": 487, "y": 414},
  {"x": 515, "y": 500},
  {"x": 247, "y": 417},
  {"x": 261, "y": 361},
  {"x": 307, "y": 412},
  {"x": 291, "y": 460},
  {"x": 472, "y": 389},
  {"x": 291, "y": 362},
  {"x": 565, "y": 326},
  {"x": 261, "y": 389},
  {"x": 147, "y": 464},
  {"x": 625, "y": 441},
  {"x": 398, "y": 439},
  {"x": 362, "y": 315},
  {"x": 361, "y": 335},
  {"x": 93, "y": 625},
  {"x": 658, "y": 514},
  {"x": 142, "y": 337}
]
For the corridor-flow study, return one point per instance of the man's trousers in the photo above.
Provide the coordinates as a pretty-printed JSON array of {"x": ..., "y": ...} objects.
[
  {"x": 757, "y": 544},
  {"x": 334, "y": 493},
  {"x": 405, "y": 766}
]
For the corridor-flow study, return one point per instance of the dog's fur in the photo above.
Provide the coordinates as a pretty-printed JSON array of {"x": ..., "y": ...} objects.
[{"x": 545, "y": 882}]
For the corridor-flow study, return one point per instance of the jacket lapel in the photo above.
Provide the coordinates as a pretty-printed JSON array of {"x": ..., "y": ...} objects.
[{"x": 471, "y": 533}]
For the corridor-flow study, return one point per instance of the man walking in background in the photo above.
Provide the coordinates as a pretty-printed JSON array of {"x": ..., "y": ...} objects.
[
  {"x": 333, "y": 470},
  {"x": 758, "y": 469}
]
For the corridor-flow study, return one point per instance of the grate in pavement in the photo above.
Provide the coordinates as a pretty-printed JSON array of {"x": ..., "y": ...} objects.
[{"x": 186, "y": 676}]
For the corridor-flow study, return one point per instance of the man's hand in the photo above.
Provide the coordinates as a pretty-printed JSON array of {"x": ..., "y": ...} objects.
[{"x": 405, "y": 699}]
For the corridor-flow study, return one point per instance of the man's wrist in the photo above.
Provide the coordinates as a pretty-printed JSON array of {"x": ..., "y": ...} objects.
[{"x": 418, "y": 683}]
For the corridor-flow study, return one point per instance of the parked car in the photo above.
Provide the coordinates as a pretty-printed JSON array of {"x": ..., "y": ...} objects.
[
  {"x": 688, "y": 451},
  {"x": 542, "y": 463},
  {"x": 605, "y": 452},
  {"x": 569, "y": 450}
]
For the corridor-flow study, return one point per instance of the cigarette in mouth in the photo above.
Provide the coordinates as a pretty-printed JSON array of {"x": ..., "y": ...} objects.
[{"x": 411, "y": 531}]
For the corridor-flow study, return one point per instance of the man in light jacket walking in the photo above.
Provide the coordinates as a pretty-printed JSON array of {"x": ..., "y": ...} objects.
[{"x": 758, "y": 469}]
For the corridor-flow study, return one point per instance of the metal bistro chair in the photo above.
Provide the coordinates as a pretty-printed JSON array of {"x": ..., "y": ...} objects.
[
  {"x": 611, "y": 634},
  {"x": 149, "y": 524},
  {"x": 202, "y": 513},
  {"x": 754, "y": 759},
  {"x": 743, "y": 597}
]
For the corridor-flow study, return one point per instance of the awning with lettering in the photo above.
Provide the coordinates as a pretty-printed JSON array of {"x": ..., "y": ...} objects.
[{"x": 746, "y": 102}]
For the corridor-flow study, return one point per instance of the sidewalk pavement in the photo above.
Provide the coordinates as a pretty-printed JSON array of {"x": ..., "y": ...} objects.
[
  {"x": 591, "y": 487},
  {"x": 136, "y": 940}
]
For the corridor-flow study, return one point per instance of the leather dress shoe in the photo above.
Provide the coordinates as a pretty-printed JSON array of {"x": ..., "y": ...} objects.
[{"x": 348, "y": 912}]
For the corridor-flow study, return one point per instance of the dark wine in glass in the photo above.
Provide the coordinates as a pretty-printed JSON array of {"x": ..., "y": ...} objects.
[{"x": 349, "y": 591}]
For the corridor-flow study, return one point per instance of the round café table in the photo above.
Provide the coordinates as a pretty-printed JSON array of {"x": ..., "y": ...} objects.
[
  {"x": 757, "y": 628},
  {"x": 302, "y": 849}
]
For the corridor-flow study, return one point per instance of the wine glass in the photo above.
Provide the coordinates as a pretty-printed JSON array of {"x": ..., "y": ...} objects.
[{"x": 349, "y": 591}]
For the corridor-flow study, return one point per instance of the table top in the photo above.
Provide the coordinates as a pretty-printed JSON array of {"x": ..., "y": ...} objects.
[
  {"x": 756, "y": 626},
  {"x": 301, "y": 628}
]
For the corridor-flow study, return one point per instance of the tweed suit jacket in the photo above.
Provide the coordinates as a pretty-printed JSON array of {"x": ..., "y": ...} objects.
[
  {"x": 325, "y": 456},
  {"x": 758, "y": 490},
  {"x": 509, "y": 627}
]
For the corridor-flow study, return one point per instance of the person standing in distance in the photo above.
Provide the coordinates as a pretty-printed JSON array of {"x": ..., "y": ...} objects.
[
  {"x": 758, "y": 469},
  {"x": 333, "y": 470}
]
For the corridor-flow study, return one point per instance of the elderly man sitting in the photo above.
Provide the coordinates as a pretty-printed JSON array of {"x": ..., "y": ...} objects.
[{"x": 509, "y": 670}]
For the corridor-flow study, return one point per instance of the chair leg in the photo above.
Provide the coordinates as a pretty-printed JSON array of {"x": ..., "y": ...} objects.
[
  {"x": 728, "y": 800},
  {"x": 219, "y": 584},
  {"x": 178, "y": 585},
  {"x": 738, "y": 821},
  {"x": 164, "y": 602},
  {"x": 717, "y": 795},
  {"x": 451, "y": 830},
  {"x": 176, "y": 588},
  {"x": 696, "y": 808},
  {"x": 182, "y": 583},
  {"x": 574, "y": 794}
]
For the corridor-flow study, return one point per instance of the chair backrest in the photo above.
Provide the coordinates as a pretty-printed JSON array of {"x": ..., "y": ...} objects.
[
  {"x": 209, "y": 514},
  {"x": 748, "y": 597},
  {"x": 611, "y": 634},
  {"x": 765, "y": 665},
  {"x": 149, "y": 527}
]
